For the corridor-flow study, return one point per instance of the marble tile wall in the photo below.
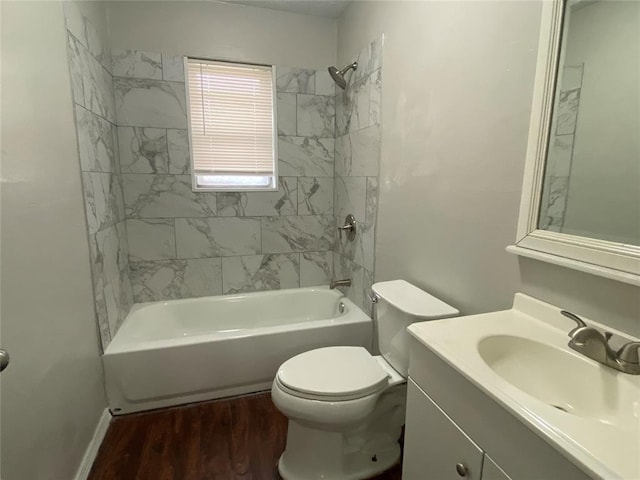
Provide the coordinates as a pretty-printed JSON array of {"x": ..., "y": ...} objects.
[
  {"x": 187, "y": 244},
  {"x": 95, "y": 114},
  {"x": 357, "y": 159},
  {"x": 153, "y": 238},
  {"x": 558, "y": 168}
]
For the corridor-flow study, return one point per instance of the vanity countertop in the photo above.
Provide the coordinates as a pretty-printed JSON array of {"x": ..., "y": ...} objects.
[{"x": 588, "y": 412}]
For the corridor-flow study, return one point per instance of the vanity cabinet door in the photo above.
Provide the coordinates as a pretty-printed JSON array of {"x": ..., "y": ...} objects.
[
  {"x": 491, "y": 471},
  {"x": 434, "y": 447}
]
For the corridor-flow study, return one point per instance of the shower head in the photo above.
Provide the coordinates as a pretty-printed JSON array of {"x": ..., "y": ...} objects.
[{"x": 338, "y": 75}]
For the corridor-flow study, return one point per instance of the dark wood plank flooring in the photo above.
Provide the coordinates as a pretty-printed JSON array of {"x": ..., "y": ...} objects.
[{"x": 238, "y": 438}]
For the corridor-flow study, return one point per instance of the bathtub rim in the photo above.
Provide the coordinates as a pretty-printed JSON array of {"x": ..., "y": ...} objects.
[{"x": 354, "y": 314}]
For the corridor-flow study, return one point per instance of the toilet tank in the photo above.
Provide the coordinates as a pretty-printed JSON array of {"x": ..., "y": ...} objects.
[{"x": 399, "y": 304}]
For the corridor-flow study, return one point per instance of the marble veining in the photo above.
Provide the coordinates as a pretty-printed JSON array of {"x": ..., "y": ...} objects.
[
  {"x": 143, "y": 150},
  {"x": 95, "y": 142},
  {"x": 560, "y": 154},
  {"x": 352, "y": 108},
  {"x": 358, "y": 153},
  {"x": 350, "y": 196},
  {"x": 286, "y": 104},
  {"x": 305, "y": 156},
  {"x": 91, "y": 83},
  {"x": 173, "y": 67},
  {"x": 109, "y": 252},
  {"x": 165, "y": 196},
  {"x": 110, "y": 271},
  {"x": 567, "y": 112},
  {"x": 118, "y": 297},
  {"x": 558, "y": 170},
  {"x": 184, "y": 244},
  {"x": 76, "y": 69},
  {"x": 369, "y": 59},
  {"x": 179, "y": 157},
  {"x": 553, "y": 217},
  {"x": 136, "y": 64},
  {"x": 315, "y": 196},
  {"x": 177, "y": 243},
  {"x": 572, "y": 77},
  {"x": 297, "y": 233},
  {"x": 78, "y": 23},
  {"x": 116, "y": 148},
  {"x": 98, "y": 91},
  {"x": 315, "y": 116},
  {"x": 151, "y": 239},
  {"x": 324, "y": 83},
  {"x": 150, "y": 103},
  {"x": 103, "y": 199},
  {"x": 126, "y": 295},
  {"x": 357, "y": 157},
  {"x": 375, "y": 97},
  {"x": 295, "y": 80},
  {"x": 102, "y": 318},
  {"x": 367, "y": 282},
  {"x": 258, "y": 204},
  {"x": 371, "y": 207},
  {"x": 98, "y": 147},
  {"x": 361, "y": 250},
  {"x": 172, "y": 279},
  {"x": 316, "y": 268},
  {"x": 260, "y": 272},
  {"x": 217, "y": 237}
]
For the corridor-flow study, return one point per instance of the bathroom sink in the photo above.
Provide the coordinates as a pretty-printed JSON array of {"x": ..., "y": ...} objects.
[
  {"x": 562, "y": 379},
  {"x": 520, "y": 358}
]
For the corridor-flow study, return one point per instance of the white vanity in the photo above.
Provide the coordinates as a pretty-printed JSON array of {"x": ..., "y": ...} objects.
[{"x": 501, "y": 396}]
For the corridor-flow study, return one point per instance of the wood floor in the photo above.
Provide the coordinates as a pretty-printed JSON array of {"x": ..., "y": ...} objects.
[{"x": 239, "y": 438}]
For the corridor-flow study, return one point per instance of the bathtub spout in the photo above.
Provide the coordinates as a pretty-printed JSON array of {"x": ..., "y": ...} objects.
[{"x": 340, "y": 283}]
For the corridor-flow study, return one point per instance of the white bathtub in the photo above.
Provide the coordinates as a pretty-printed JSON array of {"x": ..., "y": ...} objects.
[{"x": 181, "y": 351}]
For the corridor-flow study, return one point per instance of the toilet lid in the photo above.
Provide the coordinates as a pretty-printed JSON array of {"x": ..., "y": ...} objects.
[{"x": 343, "y": 372}]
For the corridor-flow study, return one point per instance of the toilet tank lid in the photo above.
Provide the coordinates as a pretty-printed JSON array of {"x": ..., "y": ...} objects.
[{"x": 412, "y": 300}]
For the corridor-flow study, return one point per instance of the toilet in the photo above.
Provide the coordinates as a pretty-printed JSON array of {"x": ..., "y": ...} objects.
[{"x": 346, "y": 407}]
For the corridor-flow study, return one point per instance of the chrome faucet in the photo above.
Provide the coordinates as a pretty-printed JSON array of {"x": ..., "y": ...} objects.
[
  {"x": 340, "y": 283},
  {"x": 592, "y": 344}
]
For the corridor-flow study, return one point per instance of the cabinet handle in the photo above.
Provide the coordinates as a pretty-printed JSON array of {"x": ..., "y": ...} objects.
[{"x": 461, "y": 469}]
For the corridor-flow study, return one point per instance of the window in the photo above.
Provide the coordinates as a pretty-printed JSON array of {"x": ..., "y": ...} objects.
[{"x": 232, "y": 128}]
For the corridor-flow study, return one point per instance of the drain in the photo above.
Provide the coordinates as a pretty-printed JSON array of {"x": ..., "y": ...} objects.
[{"x": 562, "y": 409}]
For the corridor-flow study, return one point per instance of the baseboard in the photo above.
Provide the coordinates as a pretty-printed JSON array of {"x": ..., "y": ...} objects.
[{"x": 92, "y": 449}]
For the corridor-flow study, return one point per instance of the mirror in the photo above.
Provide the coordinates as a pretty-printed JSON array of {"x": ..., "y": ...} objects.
[
  {"x": 580, "y": 203},
  {"x": 591, "y": 182}
]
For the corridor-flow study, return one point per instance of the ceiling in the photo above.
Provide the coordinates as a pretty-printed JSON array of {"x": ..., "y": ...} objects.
[{"x": 319, "y": 8}]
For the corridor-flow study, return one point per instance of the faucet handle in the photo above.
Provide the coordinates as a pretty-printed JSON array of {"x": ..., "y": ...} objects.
[
  {"x": 580, "y": 323},
  {"x": 629, "y": 353},
  {"x": 373, "y": 297}
]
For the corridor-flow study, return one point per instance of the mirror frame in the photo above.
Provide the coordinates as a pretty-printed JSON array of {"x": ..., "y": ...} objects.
[{"x": 612, "y": 260}]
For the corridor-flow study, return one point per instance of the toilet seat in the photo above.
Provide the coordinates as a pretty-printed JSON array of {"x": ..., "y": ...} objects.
[{"x": 332, "y": 374}]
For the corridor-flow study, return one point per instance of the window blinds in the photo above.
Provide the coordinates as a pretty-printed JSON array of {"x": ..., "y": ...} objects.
[{"x": 231, "y": 120}]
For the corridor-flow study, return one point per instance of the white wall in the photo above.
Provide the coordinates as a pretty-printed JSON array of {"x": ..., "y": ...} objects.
[
  {"x": 223, "y": 31},
  {"x": 456, "y": 96},
  {"x": 604, "y": 187},
  {"x": 609, "y": 302},
  {"x": 52, "y": 393},
  {"x": 456, "y": 99}
]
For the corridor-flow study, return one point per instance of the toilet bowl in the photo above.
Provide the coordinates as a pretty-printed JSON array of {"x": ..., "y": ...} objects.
[{"x": 346, "y": 407}]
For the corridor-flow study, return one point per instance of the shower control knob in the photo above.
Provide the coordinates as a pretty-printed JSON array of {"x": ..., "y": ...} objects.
[
  {"x": 4, "y": 359},
  {"x": 349, "y": 227},
  {"x": 461, "y": 469}
]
